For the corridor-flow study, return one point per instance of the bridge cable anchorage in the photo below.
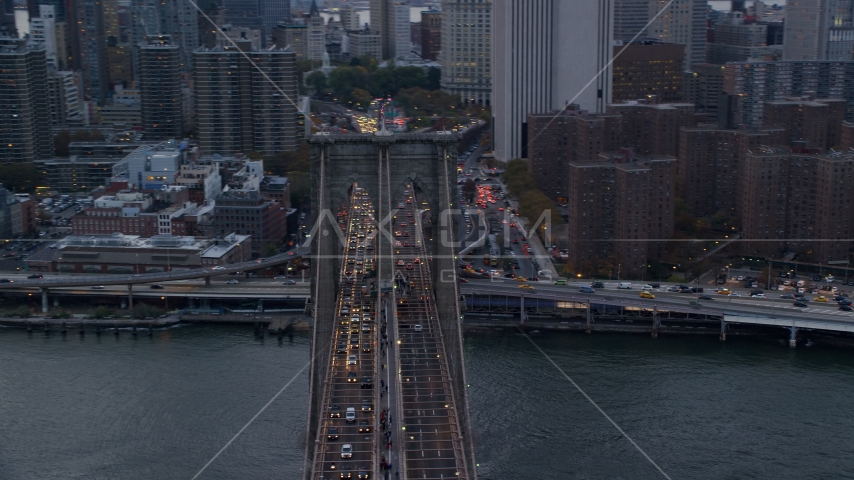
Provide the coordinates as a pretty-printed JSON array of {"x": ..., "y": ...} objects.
[
  {"x": 562, "y": 372},
  {"x": 252, "y": 420}
]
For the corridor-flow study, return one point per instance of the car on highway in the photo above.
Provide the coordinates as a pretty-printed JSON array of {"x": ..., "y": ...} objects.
[
  {"x": 97, "y": 287},
  {"x": 351, "y": 360},
  {"x": 846, "y": 308},
  {"x": 156, "y": 286},
  {"x": 350, "y": 416},
  {"x": 624, "y": 285},
  {"x": 705, "y": 297},
  {"x": 232, "y": 282},
  {"x": 347, "y": 450},
  {"x": 597, "y": 285},
  {"x": 35, "y": 275},
  {"x": 289, "y": 282},
  {"x": 647, "y": 288},
  {"x": 723, "y": 291},
  {"x": 799, "y": 304},
  {"x": 332, "y": 433},
  {"x": 367, "y": 382},
  {"x": 463, "y": 280},
  {"x": 787, "y": 296},
  {"x": 364, "y": 426},
  {"x": 526, "y": 287},
  {"x": 560, "y": 281},
  {"x": 334, "y": 411},
  {"x": 820, "y": 298},
  {"x": 646, "y": 295},
  {"x": 521, "y": 279},
  {"x": 734, "y": 294},
  {"x": 351, "y": 376},
  {"x": 217, "y": 269},
  {"x": 758, "y": 295},
  {"x": 586, "y": 289},
  {"x": 363, "y": 474},
  {"x": 844, "y": 301}
]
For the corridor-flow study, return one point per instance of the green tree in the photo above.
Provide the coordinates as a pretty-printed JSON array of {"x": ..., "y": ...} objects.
[
  {"x": 317, "y": 81},
  {"x": 383, "y": 82},
  {"x": 361, "y": 98},
  {"x": 268, "y": 250},
  {"x": 20, "y": 177},
  {"x": 101, "y": 312},
  {"x": 434, "y": 79}
]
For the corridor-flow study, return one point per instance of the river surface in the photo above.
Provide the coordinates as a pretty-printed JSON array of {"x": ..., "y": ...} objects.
[{"x": 162, "y": 407}]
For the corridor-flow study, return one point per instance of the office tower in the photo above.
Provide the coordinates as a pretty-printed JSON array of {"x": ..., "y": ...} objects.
[
  {"x": 274, "y": 12},
  {"x": 316, "y": 34},
  {"x": 683, "y": 22},
  {"x": 237, "y": 108},
  {"x": 630, "y": 17},
  {"x": 751, "y": 85},
  {"x": 43, "y": 32},
  {"x": 648, "y": 68},
  {"x": 244, "y": 13},
  {"x": 88, "y": 48},
  {"x": 535, "y": 70},
  {"x": 737, "y": 41},
  {"x": 431, "y": 34},
  {"x": 382, "y": 22},
  {"x": 145, "y": 22},
  {"x": 180, "y": 20},
  {"x": 7, "y": 18},
  {"x": 466, "y": 53},
  {"x": 401, "y": 32},
  {"x": 160, "y": 89},
  {"x": 364, "y": 42},
  {"x": 24, "y": 119},
  {"x": 819, "y": 30}
]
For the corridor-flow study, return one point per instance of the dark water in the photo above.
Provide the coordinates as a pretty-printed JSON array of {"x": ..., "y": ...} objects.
[{"x": 160, "y": 408}]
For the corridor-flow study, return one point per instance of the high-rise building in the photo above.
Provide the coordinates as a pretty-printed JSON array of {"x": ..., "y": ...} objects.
[
  {"x": 24, "y": 118},
  {"x": 7, "y": 18},
  {"x": 807, "y": 122},
  {"x": 43, "y": 32},
  {"x": 535, "y": 70},
  {"x": 238, "y": 109},
  {"x": 646, "y": 69},
  {"x": 180, "y": 19},
  {"x": 274, "y": 12},
  {"x": 349, "y": 18},
  {"x": 703, "y": 86},
  {"x": 630, "y": 17},
  {"x": 381, "y": 24},
  {"x": 88, "y": 48},
  {"x": 466, "y": 50},
  {"x": 316, "y": 34},
  {"x": 570, "y": 136},
  {"x": 750, "y": 85},
  {"x": 683, "y": 22},
  {"x": 160, "y": 88},
  {"x": 799, "y": 202},
  {"x": 653, "y": 129},
  {"x": 401, "y": 34},
  {"x": 819, "y": 30},
  {"x": 63, "y": 99},
  {"x": 616, "y": 205},
  {"x": 364, "y": 42},
  {"x": 431, "y": 34},
  {"x": 847, "y": 135},
  {"x": 737, "y": 41}
]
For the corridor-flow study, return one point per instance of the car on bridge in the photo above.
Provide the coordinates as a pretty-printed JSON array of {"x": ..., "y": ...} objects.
[
  {"x": 526, "y": 287},
  {"x": 646, "y": 295},
  {"x": 350, "y": 416},
  {"x": 351, "y": 360},
  {"x": 217, "y": 269},
  {"x": 332, "y": 433},
  {"x": 364, "y": 426},
  {"x": 346, "y": 451},
  {"x": 586, "y": 289},
  {"x": 334, "y": 411},
  {"x": 800, "y": 304}
]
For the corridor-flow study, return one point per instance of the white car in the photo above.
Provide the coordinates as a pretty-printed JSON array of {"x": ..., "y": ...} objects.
[
  {"x": 734, "y": 294},
  {"x": 350, "y": 416},
  {"x": 647, "y": 288},
  {"x": 418, "y": 328},
  {"x": 758, "y": 295},
  {"x": 347, "y": 450},
  {"x": 216, "y": 269},
  {"x": 232, "y": 282}
]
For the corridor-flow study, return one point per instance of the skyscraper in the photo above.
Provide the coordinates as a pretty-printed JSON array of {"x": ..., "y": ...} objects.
[
  {"x": 401, "y": 35},
  {"x": 238, "y": 109},
  {"x": 24, "y": 120},
  {"x": 43, "y": 32},
  {"x": 381, "y": 22},
  {"x": 160, "y": 88},
  {"x": 431, "y": 35},
  {"x": 537, "y": 69},
  {"x": 683, "y": 22},
  {"x": 630, "y": 17},
  {"x": 316, "y": 34},
  {"x": 274, "y": 12},
  {"x": 7, "y": 18},
  {"x": 466, "y": 50},
  {"x": 88, "y": 47},
  {"x": 819, "y": 30}
]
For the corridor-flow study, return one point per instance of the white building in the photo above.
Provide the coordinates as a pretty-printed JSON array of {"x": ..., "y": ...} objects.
[
  {"x": 466, "y": 53},
  {"x": 541, "y": 64},
  {"x": 316, "y": 35},
  {"x": 402, "y": 30},
  {"x": 43, "y": 32},
  {"x": 819, "y": 30}
]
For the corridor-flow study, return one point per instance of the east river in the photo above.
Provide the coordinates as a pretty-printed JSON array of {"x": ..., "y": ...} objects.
[{"x": 161, "y": 407}]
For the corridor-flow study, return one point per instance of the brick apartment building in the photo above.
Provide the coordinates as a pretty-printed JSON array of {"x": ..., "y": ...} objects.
[
  {"x": 247, "y": 212},
  {"x": 616, "y": 205},
  {"x": 651, "y": 128},
  {"x": 572, "y": 136},
  {"x": 816, "y": 123},
  {"x": 798, "y": 202},
  {"x": 709, "y": 163},
  {"x": 846, "y": 135}
]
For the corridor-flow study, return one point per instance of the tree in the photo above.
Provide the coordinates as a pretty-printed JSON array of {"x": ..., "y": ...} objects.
[
  {"x": 300, "y": 188},
  {"x": 317, "y": 81},
  {"x": 434, "y": 78},
  {"x": 101, "y": 312},
  {"x": 268, "y": 250},
  {"x": 362, "y": 98},
  {"x": 20, "y": 177},
  {"x": 469, "y": 189}
]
